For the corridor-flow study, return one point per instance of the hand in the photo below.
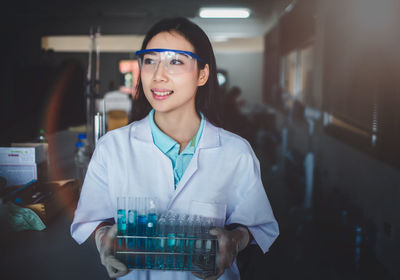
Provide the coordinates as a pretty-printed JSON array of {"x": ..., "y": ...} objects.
[
  {"x": 230, "y": 243},
  {"x": 104, "y": 242}
]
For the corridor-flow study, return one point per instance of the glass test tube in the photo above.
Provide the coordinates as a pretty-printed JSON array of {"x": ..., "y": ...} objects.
[
  {"x": 132, "y": 228},
  {"x": 198, "y": 245},
  {"x": 121, "y": 225},
  {"x": 180, "y": 243},
  {"x": 141, "y": 231},
  {"x": 161, "y": 243},
  {"x": 151, "y": 232},
  {"x": 207, "y": 245},
  {"x": 189, "y": 248},
  {"x": 171, "y": 227}
]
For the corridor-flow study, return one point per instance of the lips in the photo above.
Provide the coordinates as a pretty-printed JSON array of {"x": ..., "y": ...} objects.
[{"x": 161, "y": 94}]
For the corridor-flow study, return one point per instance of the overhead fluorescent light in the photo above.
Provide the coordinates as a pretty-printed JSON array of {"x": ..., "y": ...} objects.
[{"x": 224, "y": 13}]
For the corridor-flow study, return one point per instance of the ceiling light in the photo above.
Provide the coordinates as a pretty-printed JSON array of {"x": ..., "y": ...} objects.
[{"x": 224, "y": 13}]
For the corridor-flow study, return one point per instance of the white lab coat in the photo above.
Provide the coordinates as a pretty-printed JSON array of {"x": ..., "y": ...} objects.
[{"x": 222, "y": 181}]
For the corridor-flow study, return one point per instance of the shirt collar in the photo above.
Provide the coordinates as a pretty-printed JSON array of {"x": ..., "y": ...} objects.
[
  {"x": 166, "y": 143},
  {"x": 160, "y": 139}
]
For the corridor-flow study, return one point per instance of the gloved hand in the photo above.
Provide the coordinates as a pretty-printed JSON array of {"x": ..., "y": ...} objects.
[
  {"x": 104, "y": 242},
  {"x": 230, "y": 243}
]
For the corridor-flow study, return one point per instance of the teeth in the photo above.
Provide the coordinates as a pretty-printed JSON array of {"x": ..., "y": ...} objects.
[{"x": 162, "y": 93}]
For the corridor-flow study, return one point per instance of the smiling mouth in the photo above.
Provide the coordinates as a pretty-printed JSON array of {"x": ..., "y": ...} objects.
[{"x": 162, "y": 93}]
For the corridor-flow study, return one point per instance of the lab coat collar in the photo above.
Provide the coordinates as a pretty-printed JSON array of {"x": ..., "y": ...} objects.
[
  {"x": 141, "y": 130},
  {"x": 210, "y": 138}
]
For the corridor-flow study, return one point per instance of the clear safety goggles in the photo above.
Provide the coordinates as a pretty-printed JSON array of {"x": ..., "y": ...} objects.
[{"x": 174, "y": 61}]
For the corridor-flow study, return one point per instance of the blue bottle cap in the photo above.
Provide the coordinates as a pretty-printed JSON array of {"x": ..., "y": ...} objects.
[
  {"x": 78, "y": 144},
  {"x": 81, "y": 136}
]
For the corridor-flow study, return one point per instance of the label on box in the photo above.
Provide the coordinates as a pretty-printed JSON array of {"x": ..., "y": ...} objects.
[{"x": 22, "y": 155}]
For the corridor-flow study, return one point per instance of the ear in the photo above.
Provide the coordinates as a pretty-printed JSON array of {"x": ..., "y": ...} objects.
[{"x": 203, "y": 76}]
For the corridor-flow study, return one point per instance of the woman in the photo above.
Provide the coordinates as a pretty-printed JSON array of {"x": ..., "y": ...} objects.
[{"x": 175, "y": 153}]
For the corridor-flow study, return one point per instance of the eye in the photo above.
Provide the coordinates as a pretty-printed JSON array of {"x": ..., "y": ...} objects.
[
  {"x": 148, "y": 61},
  {"x": 176, "y": 62}
]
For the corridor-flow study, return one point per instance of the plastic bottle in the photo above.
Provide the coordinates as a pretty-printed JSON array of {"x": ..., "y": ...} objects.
[
  {"x": 81, "y": 161},
  {"x": 83, "y": 138}
]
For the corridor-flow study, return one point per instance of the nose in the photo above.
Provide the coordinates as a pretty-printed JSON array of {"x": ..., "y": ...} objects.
[{"x": 160, "y": 72}]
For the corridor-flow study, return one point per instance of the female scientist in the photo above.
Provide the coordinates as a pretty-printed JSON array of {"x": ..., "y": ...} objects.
[{"x": 174, "y": 152}]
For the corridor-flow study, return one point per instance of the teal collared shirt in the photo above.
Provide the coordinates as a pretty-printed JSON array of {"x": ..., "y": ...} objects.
[{"x": 171, "y": 148}]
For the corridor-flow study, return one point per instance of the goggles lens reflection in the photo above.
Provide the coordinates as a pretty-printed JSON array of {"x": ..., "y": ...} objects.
[{"x": 174, "y": 62}]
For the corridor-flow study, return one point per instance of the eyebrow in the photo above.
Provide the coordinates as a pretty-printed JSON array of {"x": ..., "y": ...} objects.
[
  {"x": 184, "y": 54},
  {"x": 153, "y": 53}
]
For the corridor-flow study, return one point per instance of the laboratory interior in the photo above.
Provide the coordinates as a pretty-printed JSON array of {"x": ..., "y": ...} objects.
[{"x": 318, "y": 102}]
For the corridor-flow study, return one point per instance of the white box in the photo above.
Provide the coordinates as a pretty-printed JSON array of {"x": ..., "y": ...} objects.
[
  {"x": 20, "y": 165},
  {"x": 22, "y": 155},
  {"x": 18, "y": 174}
]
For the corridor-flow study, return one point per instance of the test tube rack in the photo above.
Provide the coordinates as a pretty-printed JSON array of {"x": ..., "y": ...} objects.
[{"x": 168, "y": 253}]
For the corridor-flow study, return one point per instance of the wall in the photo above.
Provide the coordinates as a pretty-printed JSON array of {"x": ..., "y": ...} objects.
[{"x": 245, "y": 71}]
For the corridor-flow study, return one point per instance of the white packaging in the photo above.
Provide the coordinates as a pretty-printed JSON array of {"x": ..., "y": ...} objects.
[
  {"x": 22, "y": 155},
  {"x": 18, "y": 174},
  {"x": 20, "y": 165}
]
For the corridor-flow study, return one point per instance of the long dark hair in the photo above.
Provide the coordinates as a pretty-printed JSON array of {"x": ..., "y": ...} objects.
[{"x": 207, "y": 97}]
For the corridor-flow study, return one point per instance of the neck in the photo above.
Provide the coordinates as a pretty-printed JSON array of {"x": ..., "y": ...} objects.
[{"x": 180, "y": 126}]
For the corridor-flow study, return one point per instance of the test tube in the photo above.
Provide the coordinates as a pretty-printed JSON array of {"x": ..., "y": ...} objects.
[
  {"x": 198, "y": 242},
  {"x": 151, "y": 232},
  {"x": 189, "y": 242},
  {"x": 209, "y": 258},
  {"x": 132, "y": 222},
  {"x": 121, "y": 225},
  {"x": 141, "y": 230},
  {"x": 180, "y": 242},
  {"x": 161, "y": 243},
  {"x": 171, "y": 227}
]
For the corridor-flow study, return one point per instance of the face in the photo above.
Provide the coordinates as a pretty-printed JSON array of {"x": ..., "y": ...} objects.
[{"x": 175, "y": 92}]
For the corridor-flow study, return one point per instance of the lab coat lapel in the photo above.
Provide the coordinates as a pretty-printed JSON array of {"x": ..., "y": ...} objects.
[
  {"x": 142, "y": 130},
  {"x": 209, "y": 139},
  {"x": 142, "y": 133}
]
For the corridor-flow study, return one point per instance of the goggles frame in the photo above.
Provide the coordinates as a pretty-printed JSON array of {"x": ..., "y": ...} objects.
[
  {"x": 170, "y": 50},
  {"x": 142, "y": 53}
]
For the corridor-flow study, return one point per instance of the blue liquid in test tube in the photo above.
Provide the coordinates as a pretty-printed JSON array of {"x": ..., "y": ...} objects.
[
  {"x": 141, "y": 231},
  {"x": 189, "y": 243},
  {"x": 171, "y": 242},
  {"x": 151, "y": 242},
  {"x": 180, "y": 243},
  {"x": 131, "y": 242},
  {"x": 161, "y": 243},
  {"x": 141, "y": 242},
  {"x": 121, "y": 226}
]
